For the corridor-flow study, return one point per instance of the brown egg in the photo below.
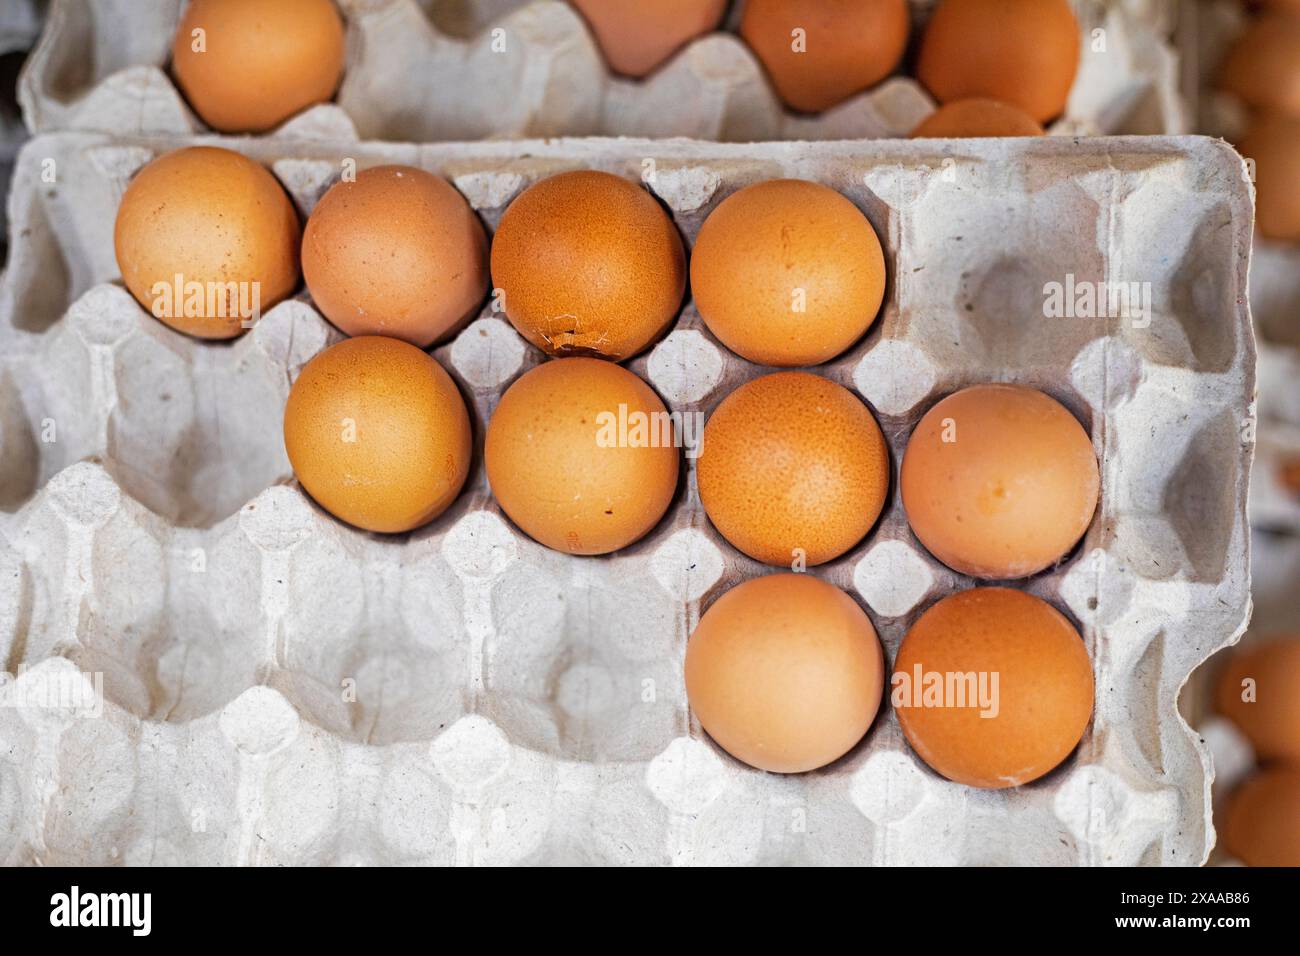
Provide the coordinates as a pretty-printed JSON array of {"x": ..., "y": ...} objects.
[
  {"x": 993, "y": 687},
  {"x": 580, "y": 455},
  {"x": 378, "y": 434},
  {"x": 1262, "y": 68},
  {"x": 785, "y": 673},
  {"x": 787, "y": 273},
  {"x": 977, "y": 117},
  {"x": 206, "y": 239},
  {"x": 999, "y": 481},
  {"x": 255, "y": 64},
  {"x": 1289, "y": 475},
  {"x": 1022, "y": 52},
  {"x": 589, "y": 264},
  {"x": 1273, "y": 143},
  {"x": 1259, "y": 690},
  {"x": 1262, "y": 824},
  {"x": 820, "y": 52},
  {"x": 636, "y": 38},
  {"x": 793, "y": 466},
  {"x": 398, "y": 252}
]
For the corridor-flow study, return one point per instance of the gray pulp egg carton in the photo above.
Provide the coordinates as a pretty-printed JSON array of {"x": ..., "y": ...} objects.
[
  {"x": 207, "y": 668},
  {"x": 457, "y": 71}
]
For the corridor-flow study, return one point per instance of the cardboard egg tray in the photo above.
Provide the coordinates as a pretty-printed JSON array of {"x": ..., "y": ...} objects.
[
  {"x": 279, "y": 688},
  {"x": 449, "y": 70}
]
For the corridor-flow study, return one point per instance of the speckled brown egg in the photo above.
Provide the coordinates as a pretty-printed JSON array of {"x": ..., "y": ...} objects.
[
  {"x": 378, "y": 434},
  {"x": 977, "y": 117},
  {"x": 793, "y": 469},
  {"x": 636, "y": 38},
  {"x": 787, "y": 273},
  {"x": 256, "y": 63},
  {"x": 999, "y": 481},
  {"x": 1022, "y": 52},
  {"x": 1262, "y": 67},
  {"x": 785, "y": 673},
  {"x": 206, "y": 240},
  {"x": 992, "y": 687},
  {"x": 818, "y": 53},
  {"x": 1259, "y": 690},
  {"x": 581, "y": 455},
  {"x": 1273, "y": 144},
  {"x": 1262, "y": 822},
  {"x": 589, "y": 264},
  {"x": 397, "y": 252}
]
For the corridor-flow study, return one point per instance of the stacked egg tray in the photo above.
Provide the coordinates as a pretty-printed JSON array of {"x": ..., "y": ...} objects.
[
  {"x": 1274, "y": 280},
  {"x": 532, "y": 69},
  {"x": 280, "y": 688},
  {"x": 1207, "y": 31}
]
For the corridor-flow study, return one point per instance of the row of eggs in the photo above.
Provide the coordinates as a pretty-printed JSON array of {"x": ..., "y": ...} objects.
[
  {"x": 248, "y": 65},
  {"x": 996, "y": 67},
  {"x": 784, "y": 671},
  {"x": 998, "y": 481}
]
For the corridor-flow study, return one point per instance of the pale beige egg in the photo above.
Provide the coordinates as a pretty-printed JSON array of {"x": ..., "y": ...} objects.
[
  {"x": 785, "y": 673},
  {"x": 999, "y": 481}
]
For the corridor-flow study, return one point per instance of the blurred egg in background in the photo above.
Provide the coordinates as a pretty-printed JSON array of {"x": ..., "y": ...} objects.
[
  {"x": 637, "y": 38},
  {"x": 818, "y": 53},
  {"x": 248, "y": 65}
]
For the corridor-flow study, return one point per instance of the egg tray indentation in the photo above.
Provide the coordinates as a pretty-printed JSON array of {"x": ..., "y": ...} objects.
[
  {"x": 313, "y": 694},
  {"x": 101, "y": 65}
]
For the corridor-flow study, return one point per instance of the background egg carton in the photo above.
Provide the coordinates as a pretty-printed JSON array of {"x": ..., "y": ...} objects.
[
  {"x": 1202, "y": 32},
  {"x": 20, "y": 24},
  {"x": 1275, "y": 561},
  {"x": 280, "y": 688},
  {"x": 1206, "y": 30},
  {"x": 450, "y": 70},
  {"x": 1275, "y": 504}
]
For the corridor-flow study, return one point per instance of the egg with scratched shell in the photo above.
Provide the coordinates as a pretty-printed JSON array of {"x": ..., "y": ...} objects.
[{"x": 588, "y": 264}]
